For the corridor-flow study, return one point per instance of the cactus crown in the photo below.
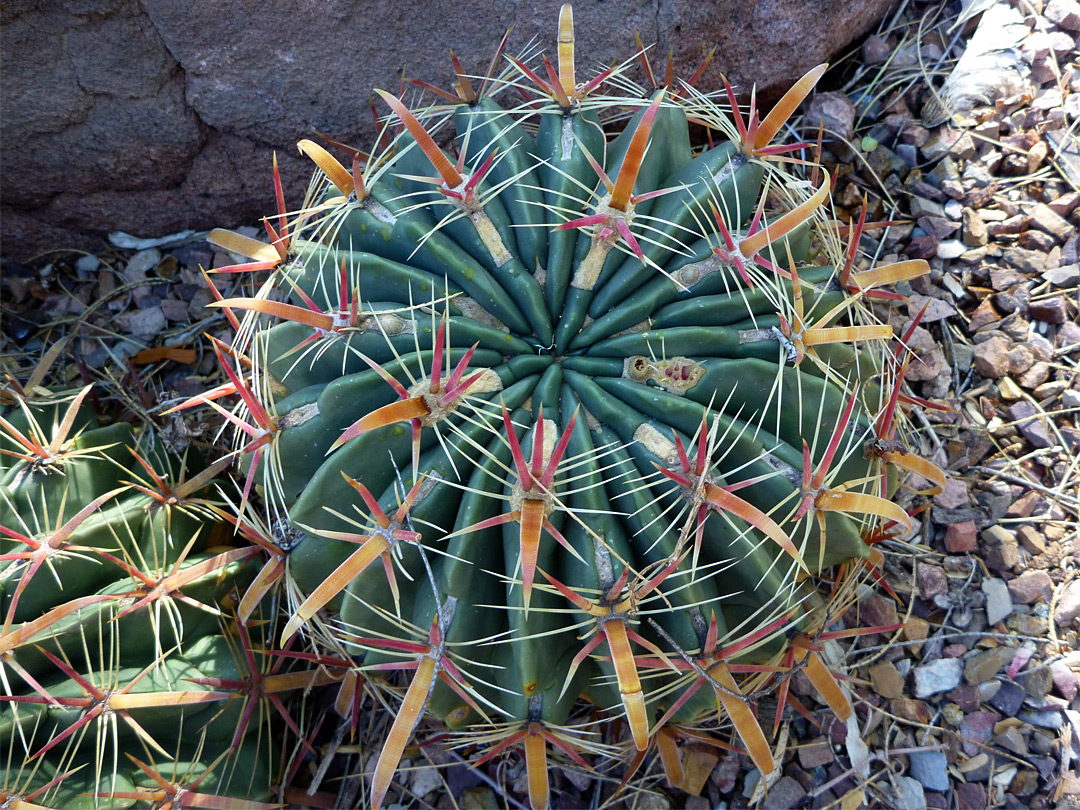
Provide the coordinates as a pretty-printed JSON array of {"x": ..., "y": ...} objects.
[{"x": 562, "y": 414}]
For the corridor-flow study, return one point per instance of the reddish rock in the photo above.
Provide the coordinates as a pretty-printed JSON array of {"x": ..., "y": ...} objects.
[
  {"x": 929, "y": 360},
  {"x": 976, "y": 729},
  {"x": 955, "y": 495},
  {"x": 1051, "y": 310},
  {"x": 983, "y": 315},
  {"x": 966, "y": 697},
  {"x": 1035, "y": 376},
  {"x": 922, "y": 247},
  {"x": 1030, "y": 587},
  {"x": 960, "y": 537},
  {"x": 991, "y": 357},
  {"x": 931, "y": 580},
  {"x": 877, "y": 611},
  {"x": 815, "y": 753},
  {"x": 970, "y": 796},
  {"x": 1024, "y": 505}
]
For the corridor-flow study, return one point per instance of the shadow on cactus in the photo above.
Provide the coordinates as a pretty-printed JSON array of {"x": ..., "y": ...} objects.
[{"x": 569, "y": 416}]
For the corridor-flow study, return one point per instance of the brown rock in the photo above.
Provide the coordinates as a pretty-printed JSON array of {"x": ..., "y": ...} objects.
[
  {"x": 1050, "y": 310},
  {"x": 816, "y": 753},
  {"x": 1012, "y": 225},
  {"x": 835, "y": 110},
  {"x": 1024, "y": 624},
  {"x": 1031, "y": 539},
  {"x": 983, "y": 315},
  {"x": 915, "y": 629},
  {"x": 1027, "y": 261},
  {"x": 1050, "y": 390},
  {"x": 1030, "y": 587},
  {"x": 1035, "y": 376},
  {"x": 1036, "y": 240},
  {"x": 1036, "y": 155},
  {"x": 1002, "y": 278},
  {"x": 910, "y": 709},
  {"x": 931, "y": 580},
  {"x": 1024, "y": 784},
  {"x": 1020, "y": 359},
  {"x": 1065, "y": 204},
  {"x": 963, "y": 148},
  {"x": 1009, "y": 390},
  {"x": 991, "y": 357},
  {"x": 166, "y": 114},
  {"x": 1044, "y": 219},
  {"x": 974, "y": 233},
  {"x": 875, "y": 50},
  {"x": 985, "y": 665},
  {"x": 929, "y": 359},
  {"x": 960, "y": 537},
  {"x": 1011, "y": 740},
  {"x": 937, "y": 309},
  {"x": 939, "y": 143},
  {"x": 1003, "y": 557},
  {"x": 1024, "y": 506},
  {"x": 887, "y": 681}
]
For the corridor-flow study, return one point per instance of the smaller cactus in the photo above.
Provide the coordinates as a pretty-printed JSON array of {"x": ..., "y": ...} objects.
[{"x": 115, "y": 582}]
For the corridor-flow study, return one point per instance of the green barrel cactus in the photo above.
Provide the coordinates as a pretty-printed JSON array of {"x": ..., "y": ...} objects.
[
  {"x": 566, "y": 414},
  {"x": 124, "y": 678}
]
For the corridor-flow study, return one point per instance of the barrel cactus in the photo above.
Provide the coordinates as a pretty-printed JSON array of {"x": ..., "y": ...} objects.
[
  {"x": 123, "y": 677},
  {"x": 568, "y": 415}
]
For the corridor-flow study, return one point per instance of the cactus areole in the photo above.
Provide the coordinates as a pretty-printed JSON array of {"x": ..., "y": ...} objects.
[{"x": 564, "y": 415}]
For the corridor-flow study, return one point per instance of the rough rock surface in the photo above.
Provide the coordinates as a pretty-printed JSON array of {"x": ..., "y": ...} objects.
[{"x": 154, "y": 116}]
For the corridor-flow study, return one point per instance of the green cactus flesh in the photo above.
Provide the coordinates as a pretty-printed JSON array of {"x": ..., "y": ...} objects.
[
  {"x": 542, "y": 431},
  {"x": 112, "y": 587}
]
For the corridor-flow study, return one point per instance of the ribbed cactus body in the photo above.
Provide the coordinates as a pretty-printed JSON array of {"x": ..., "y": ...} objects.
[
  {"x": 568, "y": 412},
  {"x": 112, "y": 586}
]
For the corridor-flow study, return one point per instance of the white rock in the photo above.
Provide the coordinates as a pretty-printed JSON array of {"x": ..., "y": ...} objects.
[
  {"x": 908, "y": 794},
  {"x": 998, "y": 600},
  {"x": 425, "y": 780},
  {"x": 938, "y": 676},
  {"x": 951, "y": 249}
]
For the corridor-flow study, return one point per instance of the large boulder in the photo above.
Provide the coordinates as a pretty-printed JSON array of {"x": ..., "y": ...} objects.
[{"x": 152, "y": 116}]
